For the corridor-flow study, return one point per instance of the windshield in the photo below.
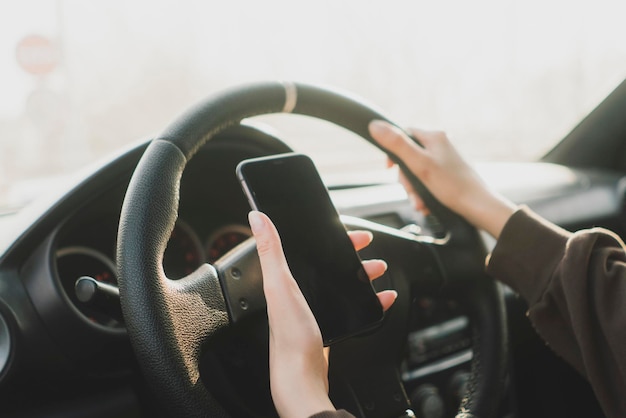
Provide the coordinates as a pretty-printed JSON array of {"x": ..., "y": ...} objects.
[{"x": 506, "y": 79}]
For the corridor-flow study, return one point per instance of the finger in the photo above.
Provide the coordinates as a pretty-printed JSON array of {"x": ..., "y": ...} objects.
[
  {"x": 387, "y": 298},
  {"x": 360, "y": 239},
  {"x": 413, "y": 196},
  {"x": 396, "y": 141},
  {"x": 374, "y": 268}
]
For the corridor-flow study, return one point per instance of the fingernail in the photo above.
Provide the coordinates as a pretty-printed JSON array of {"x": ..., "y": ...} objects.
[
  {"x": 257, "y": 223},
  {"x": 378, "y": 127}
]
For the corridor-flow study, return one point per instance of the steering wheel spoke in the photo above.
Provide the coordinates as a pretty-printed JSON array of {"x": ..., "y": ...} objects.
[{"x": 242, "y": 283}]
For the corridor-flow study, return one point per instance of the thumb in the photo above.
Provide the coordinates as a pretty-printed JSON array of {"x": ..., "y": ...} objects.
[{"x": 273, "y": 264}]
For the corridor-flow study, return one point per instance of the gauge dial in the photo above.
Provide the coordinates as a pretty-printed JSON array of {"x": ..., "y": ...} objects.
[
  {"x": 225, "y": 239},
  {"x": 75, "y": 262}
]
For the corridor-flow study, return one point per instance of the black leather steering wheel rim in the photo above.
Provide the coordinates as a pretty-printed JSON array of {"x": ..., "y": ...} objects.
[{"x": 169, "y": 321}]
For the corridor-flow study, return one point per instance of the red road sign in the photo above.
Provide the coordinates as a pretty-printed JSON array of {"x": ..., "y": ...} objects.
[{"x": 36, "y": 55}]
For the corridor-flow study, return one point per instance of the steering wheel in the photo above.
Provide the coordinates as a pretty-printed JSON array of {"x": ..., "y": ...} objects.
[{"x": 170, "y": 322}]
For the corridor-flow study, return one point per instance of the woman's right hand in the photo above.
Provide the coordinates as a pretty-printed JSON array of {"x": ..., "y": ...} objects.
[
  {"x": 446, "y": 174},
  {"x": 298, "y": 360}
]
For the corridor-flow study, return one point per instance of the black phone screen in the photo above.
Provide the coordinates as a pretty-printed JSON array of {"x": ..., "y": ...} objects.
[{"x": 318, "y": 250}]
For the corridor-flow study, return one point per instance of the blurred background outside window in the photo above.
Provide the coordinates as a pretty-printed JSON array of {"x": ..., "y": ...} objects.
[{"x": 505, "y": 78}]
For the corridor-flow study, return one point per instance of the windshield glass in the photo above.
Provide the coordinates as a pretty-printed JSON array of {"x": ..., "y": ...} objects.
[{"x": 506, "y": 79}]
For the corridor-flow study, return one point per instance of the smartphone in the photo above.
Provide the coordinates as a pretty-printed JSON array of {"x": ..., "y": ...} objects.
[{"x": 320, "y": 254}]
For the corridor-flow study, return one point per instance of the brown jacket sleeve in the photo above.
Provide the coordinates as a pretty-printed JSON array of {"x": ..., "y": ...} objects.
[{"x": 575, "y": 286}]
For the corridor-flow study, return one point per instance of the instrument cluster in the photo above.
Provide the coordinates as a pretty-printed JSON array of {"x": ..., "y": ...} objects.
[{"x": 212, "y": 219}]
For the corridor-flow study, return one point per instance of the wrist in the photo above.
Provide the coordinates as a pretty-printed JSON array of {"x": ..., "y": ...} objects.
[
  {"x": 304, "y": 404},
  {"x": 300, "y": 389},
  {"x": 490, "y": 212}
]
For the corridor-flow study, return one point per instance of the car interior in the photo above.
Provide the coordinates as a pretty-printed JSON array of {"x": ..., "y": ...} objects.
[{"x": 133, "y": 289}]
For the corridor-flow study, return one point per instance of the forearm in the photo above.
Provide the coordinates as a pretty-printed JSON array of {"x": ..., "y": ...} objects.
[
  {"x": 304, "y": 396},
  {"x": 486, "y": 210}
]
